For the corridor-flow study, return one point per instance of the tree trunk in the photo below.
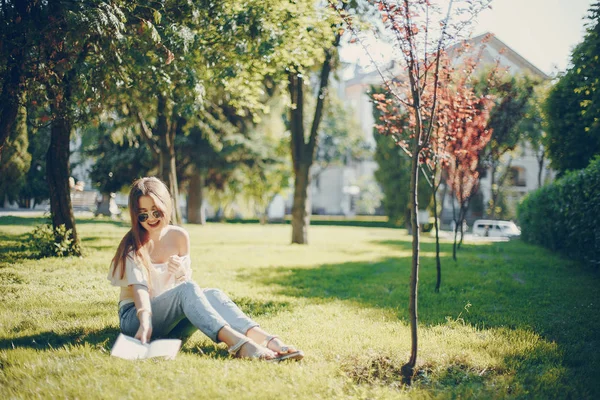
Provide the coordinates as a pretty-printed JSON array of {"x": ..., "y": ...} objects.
[
  {"x": 499, "y": 185},
  {"x": 462, "y": 218},
  {"x": 540, "y": 160},
  {"x": 493, "y": 192},
  {"x": 103, "y": 206},
  {"x": 303, "y": 153},
  {"x": 195, "y": 212},
  {"x": 174, "y": 187},
  {"x": 444, "y": 193},
  {"x": 438, "y": 263},
  {"x": 162, "y": 131},
  {"x": 301, "y": 207},
  {"x": 409, "y": 368},
  {"x": 264, "y": 218},
  {"x": 166, "y": 128},
  {"x": 58, "y": 172}
]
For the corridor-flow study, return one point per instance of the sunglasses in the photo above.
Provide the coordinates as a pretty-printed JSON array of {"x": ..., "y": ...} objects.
[{"x": 143, "y": 217}]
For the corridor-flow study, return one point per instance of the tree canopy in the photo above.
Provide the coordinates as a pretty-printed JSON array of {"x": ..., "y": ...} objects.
[{"x": 573, "y": 105}]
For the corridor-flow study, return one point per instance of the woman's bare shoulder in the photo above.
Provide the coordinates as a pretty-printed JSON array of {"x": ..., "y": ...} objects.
[{"x": 177, "y": 233}]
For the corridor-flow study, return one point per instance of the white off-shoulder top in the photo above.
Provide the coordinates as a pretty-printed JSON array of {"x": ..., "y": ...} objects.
[{"x": 135, "y": 274}]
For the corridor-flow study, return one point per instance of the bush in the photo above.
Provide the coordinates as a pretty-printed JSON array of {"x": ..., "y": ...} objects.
[
  {"x": 565, "y": 216},
  {"x": 48, "y": 242},
  {"x": 369, "y": 221}
]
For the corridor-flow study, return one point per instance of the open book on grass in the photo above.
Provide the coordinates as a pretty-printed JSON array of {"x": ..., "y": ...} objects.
[{"x": 132, "y": 349}]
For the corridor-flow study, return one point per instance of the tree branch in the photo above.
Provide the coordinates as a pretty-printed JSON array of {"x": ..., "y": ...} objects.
[
  {"x": 147, "y": 133},
  {"x": 322, "y": 94}
]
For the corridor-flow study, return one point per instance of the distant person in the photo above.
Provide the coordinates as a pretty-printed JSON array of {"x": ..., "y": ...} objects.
[{"x": 158, "y": 297}]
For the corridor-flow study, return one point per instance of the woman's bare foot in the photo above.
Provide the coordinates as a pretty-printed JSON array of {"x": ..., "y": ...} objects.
[
  {"x": 275, "y": 344},
  {"x": 252, "y": 350}
]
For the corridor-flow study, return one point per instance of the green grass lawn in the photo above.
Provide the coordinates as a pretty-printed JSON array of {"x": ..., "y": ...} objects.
[{"x": 511, "y": 321}]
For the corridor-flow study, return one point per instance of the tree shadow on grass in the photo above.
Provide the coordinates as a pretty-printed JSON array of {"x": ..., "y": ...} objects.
[
  {"x": 481, "y": 276},
  {"x": 34, "y": 221},
  {"x": 22, "y": 221},
  {"x": 53, "y": 340},
  {"x": 107, "y": 221},
  {"x": 427, "y": 245},
  {"x": 507, "y": 283},
  {"x": 92, "y": 242},
  {"x": 106, "y": 337},
  {"x": 381, "y": 283},
  {"x": 102, "y": 339},
  {"x": 14, "y": 248}
]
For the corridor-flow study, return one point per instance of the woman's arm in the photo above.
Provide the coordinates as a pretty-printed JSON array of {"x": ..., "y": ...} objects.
[
  {"x": 183, "y": 242},
  {"x": 141, "y": 298},
  {"x": 179, "y": 265}
]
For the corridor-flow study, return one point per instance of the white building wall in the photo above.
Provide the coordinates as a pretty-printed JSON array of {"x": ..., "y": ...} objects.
[
  {"x": 356, "y": 94},
  {"x": 326, "y": 190},
  {"x": 522, "y": 158}
]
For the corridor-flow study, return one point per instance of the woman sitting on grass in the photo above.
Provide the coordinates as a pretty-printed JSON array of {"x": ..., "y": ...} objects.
[{"x": 158, "y": 297}]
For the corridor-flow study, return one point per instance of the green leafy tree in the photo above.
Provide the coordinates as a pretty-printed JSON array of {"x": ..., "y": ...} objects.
[
  {"x": 269, "y": 173},
  {"x": 221, "y": 147},
  {"x": 534, "y": 126},
  {"x": 317, "y": 52},
  {"x": 36, "y": 185},
  {"x": 512, "y": 94},
  {"x": 117, "y": 162},
  {"x": 202, "y": 56},
  {"x": 340, "y": 136},
  {"x": 69, "y": 46},
  {"x": 16, "y": 25},
  {"x": 16, "y": 159},
  {"x": 573, "y": 105}
]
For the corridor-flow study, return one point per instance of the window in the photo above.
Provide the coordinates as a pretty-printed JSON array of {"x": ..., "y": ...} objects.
[{"x": 516, "y": 177}]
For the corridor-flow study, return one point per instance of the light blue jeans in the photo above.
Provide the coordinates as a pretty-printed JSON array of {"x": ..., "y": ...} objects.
[{"x": 179, "y": 312}]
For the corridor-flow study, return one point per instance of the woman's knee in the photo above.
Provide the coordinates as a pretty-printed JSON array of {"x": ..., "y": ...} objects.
[
  {"x": 213, "y": 292},
  {"x": 189, "y": 288},
  {"x": 217, "y": 295}
]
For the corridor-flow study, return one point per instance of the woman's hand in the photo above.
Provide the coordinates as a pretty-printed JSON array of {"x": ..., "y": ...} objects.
[
  {"x": 175, "y": 267},
  {"x": 144, "y": 332}
]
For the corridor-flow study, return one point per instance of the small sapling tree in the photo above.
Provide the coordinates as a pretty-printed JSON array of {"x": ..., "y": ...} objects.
[{"x": 421, "y": 32}]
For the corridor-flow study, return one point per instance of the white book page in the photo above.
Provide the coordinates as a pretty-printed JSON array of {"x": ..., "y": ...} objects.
[
  {"x": 164, "y": 348},
  {"x": 129, "y": 348},
  {"x": 132, "y": 349}
]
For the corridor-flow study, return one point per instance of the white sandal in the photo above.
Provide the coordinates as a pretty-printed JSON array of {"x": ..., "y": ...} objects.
[
  {"x": 233, "y": 350},
  {"x": 284, "y": 353},
  {"x": 258, "y": 354},
  {"x": 268, "y": 340}
]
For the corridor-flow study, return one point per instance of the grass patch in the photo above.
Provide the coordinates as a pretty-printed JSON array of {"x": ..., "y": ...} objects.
[{"x": 511, "y": 321}]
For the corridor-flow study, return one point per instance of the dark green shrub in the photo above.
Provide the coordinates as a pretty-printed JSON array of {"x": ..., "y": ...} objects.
[
  {"x": 48, "y": 242},
  {"x": 565, "y": 216}
]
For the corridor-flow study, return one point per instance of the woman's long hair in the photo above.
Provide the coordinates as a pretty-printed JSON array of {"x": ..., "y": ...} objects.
[{"x": 136, "y": 240}]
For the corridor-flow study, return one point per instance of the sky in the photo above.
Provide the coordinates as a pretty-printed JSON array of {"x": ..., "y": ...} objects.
[{"x": 542, "y": 31}]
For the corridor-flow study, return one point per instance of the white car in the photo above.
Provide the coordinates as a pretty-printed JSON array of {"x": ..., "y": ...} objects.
[{"x": 494, "y": 228}]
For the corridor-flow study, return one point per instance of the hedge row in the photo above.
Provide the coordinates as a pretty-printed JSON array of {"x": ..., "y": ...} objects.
[
  {"x": 372, "y": 222},
  {"x": 565, "y": 216},
  {"x": 359, "y": 221}
]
